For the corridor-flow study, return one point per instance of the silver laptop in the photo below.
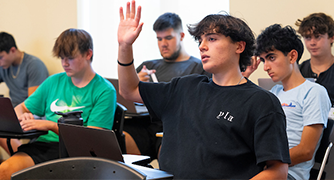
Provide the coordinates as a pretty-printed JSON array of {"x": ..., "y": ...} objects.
[{"x": 132, "y": 108}]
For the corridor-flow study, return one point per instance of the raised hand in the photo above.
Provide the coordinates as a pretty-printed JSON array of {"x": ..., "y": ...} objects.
[{"x": 129, "y": 27}]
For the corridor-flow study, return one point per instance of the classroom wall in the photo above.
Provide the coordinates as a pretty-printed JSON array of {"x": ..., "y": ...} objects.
[
  {"x": 260, "y": 14},
  {"x": 35, "y": 24}
]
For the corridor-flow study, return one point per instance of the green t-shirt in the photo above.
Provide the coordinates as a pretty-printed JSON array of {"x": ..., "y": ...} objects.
[{"x": 97, "y": 100}]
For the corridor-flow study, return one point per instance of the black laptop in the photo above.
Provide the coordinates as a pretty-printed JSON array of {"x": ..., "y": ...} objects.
[
  {"x": 85, "y": 141},
  {"x": 132, "y": 108},
  {"x": 8, "y": 120}
]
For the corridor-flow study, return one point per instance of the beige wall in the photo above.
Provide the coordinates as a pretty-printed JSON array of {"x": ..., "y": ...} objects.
[
  {"x": 35, "y": 24},
  {"x": 261, "y": 13}
]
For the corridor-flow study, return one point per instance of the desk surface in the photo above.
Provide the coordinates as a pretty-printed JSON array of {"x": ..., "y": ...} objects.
[
  {"x": 23, "y": 135},
  {"x": 151, "y": 173}
]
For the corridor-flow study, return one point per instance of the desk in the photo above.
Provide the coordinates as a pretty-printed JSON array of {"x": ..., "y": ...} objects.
[
  {"x": 152, "y": 174},
  {"x": 29, "y": 135}
]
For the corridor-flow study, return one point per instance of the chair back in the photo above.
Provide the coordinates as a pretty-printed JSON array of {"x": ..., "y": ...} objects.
[
  {"x": 79, "y": 168},
  {"x": 322, "y": 154},
  {"x": 118, "y": 125},
  {"x": 324, "y": 142}
]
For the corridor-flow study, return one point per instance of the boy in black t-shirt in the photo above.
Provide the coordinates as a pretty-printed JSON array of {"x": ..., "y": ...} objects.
[{"x": 220, "y": 128}]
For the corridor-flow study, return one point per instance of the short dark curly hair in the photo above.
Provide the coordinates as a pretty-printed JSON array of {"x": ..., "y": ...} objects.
[
  {"x": 316, "y": 23},
  {"x": 228, "y": 26},
  {"x": 280, "y": 38}
]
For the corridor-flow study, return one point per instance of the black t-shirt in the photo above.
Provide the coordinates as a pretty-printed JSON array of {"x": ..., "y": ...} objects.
[
  {"x": 165, "y": 71},
  {"x": 325, "y": 78},
  {"x": 215, "y": 132}
]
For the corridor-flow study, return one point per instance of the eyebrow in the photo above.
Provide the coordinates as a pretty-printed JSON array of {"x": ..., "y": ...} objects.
[{"x": 270, "y": 54}]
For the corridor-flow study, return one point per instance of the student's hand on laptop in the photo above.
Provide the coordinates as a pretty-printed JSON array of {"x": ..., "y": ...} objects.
[
  {"x": 144, "y": 74},
  {"x": 28, "y": 122},
  {"x": 42, "y": 125},
  {"x": 25, "y": 116}
]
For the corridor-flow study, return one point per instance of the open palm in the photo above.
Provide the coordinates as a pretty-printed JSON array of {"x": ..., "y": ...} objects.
[{"x": 129, "y": 27}]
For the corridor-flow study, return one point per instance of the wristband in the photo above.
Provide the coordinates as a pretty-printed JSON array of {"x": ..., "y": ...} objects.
[{"x": 125, "y": 64}]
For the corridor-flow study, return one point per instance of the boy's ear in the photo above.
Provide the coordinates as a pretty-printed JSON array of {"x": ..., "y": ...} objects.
[
  {"x": 89, "y": 54},
  {"x": 293, "y": 56},
  {"x": 241, "y": 45}
]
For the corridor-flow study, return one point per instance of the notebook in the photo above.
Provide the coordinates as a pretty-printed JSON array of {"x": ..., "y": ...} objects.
[
  {"x": 91, "y": 142},
  {"x": 133, "y": 108},
  {"x": 8, "y": 119}
]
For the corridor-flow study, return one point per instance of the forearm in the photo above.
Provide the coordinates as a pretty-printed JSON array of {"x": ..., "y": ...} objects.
[
  {"x": 127, "y": 76},
  {"x": 305, "y": 149},
  {"x": 299, "y": 154},
  {"x": 275, "y": 170},
  {"x": 20, "y": 109}
]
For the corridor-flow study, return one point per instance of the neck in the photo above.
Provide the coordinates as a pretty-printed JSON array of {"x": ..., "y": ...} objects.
[
  {"x": 184, "y": 56},
  {"x": 83, "y": 79},
  {"x": 321, "y": 63},
  {"x": 18, "y": 58},
  {"x": 293, "y": 80},
  {"x": 229, "y": 79}
]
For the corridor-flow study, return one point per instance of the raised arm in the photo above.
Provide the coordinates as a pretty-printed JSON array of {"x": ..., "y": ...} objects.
[{"x": 128, "y": 31}]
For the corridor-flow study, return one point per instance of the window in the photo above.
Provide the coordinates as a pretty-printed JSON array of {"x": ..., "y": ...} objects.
[{"x": 100, "y": 18}]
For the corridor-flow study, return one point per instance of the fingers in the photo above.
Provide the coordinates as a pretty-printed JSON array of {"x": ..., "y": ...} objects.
[
  {"x": 133, "y": 9},
  {"x": 138, "y": 14},
  {"x": 121, "y": 15},
  {"x": 127, "y": 10}
]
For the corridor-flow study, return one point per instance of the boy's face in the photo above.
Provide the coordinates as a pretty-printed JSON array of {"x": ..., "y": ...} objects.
[
  {"x": 6, "y": 59},
  {"x": 218, "y": 52},
  {"x": 276, "y": 64},
  {"x": 318, "y": 45},
  {"x": 77, "y": 65},
  {"x": 169, "y": 42}
]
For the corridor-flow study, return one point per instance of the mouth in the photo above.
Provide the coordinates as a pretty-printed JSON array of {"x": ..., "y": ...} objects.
[
  {"x": 205, "y": 58},
  {"x": 270, "y": 74}
]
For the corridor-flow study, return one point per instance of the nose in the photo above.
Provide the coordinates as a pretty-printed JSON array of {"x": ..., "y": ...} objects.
[
  {"x": 164, "y": 43},
  {"x": 64, "y": 62},
  {"x": 266, "y": 66},
  {"x": 202, "y": 46}
]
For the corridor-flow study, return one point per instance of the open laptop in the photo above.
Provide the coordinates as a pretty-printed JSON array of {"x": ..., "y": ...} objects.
[
  {"x": 268, "y": 83},
  {"x": 85, "y": 141},
  {"x": 8, "y": 119},
  {"x": 133, "y": 108}
]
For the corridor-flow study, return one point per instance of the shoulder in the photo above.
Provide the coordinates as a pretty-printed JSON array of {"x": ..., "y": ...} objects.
[
  {"x": 194, "y": 59},
  {"x": 32, "y": 59},
  {"x": 304, "y": 65},
  {"x": 309, "y": 86},
  {"x": 103, "y": 83}
]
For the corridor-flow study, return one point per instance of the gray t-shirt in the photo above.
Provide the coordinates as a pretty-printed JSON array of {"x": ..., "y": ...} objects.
[
  {"x": 165, "y": 71},
  {"x": 31, "y": 72}
]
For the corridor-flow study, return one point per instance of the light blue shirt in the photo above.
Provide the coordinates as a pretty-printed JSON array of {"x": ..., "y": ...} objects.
[{"x": 303, "y": 105}]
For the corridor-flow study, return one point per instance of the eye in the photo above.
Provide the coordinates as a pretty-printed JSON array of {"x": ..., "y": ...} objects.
[
  {"x": 307, "y": 38},
  {"x": 271, "y": 58},
  {"x": 211, "y": 39},
  {"x": 169, "y": 38},
  {"x": 262, "y": 60},
  {"x": 159, "y": 39}
]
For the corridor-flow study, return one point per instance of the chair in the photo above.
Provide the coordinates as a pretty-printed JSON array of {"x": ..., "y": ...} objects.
[
  {"x": 118, "y": 126},
  {"x": 321, "y": 156},
  {"x": 79, "y": 168}
]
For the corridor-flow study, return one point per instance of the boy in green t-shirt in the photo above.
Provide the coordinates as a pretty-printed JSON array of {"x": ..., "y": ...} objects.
[{"x": 78, "y": 88}]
